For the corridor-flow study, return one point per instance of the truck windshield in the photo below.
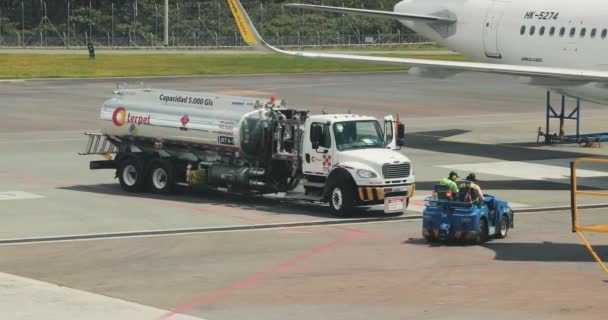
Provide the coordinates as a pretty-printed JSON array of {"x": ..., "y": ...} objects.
[{"x": 358, "y": 135}]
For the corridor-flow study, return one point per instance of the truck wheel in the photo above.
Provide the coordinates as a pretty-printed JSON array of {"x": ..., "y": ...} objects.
[
  {"x": 482, "y": 232},
  {"x": 161, "y": 178},
  {"x": 503, "y": 228},
  {"x": 131, "y": 175},
  {"x": 342, "y": 197}
]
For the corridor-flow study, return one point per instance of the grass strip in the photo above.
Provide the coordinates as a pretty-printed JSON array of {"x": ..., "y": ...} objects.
[{"x": 24, "y": 66}]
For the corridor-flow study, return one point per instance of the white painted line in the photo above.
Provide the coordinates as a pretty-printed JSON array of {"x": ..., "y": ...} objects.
[
  {"x": 525, "y": 170},
  {"x": 417, "y": 204},
  {"x": 25, "y": 298},
  {"x": 18, "y": 195},
  {"x": 557, "y": 210},
  {"x": 486, "y": 123}
]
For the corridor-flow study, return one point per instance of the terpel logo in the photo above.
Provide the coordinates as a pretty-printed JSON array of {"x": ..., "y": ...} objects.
[{"x": 120, "y": 116}]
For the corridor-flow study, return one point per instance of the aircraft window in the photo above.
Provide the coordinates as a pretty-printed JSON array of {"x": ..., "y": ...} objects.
[
  {"x": 552, "y": 31},
  {"x": 532, "y": 29},
  {"x": 562, "y": 31},
  {"x": 572, "y": 32},
  {"x": 522, "y": 30},
  {"x": 604, "y": 32},
  {"x": 593, "y": 32},
  {"x": 541, "y": 31},
  {"x": 583, "y": 32}
]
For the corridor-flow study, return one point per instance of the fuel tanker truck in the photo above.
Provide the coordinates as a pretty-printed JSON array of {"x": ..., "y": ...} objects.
[{"x": 159, "y": 140}]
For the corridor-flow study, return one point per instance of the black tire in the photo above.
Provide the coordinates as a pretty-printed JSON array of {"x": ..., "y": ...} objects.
[
  {"x": 342, "y": 196},
  {"x": 503, "y": 228},
  {"x": 161, "y": 177},
  {"x": 131, "y": 174},
  {"x": 482, "y": 231}
]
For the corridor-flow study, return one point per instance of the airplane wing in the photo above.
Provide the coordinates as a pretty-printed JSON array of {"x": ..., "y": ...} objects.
[
  {"x": 376, "y": 13},
  {"x": 252, "y": 37}
]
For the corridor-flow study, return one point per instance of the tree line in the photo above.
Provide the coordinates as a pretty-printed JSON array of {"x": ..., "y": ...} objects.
[{"x": 144, "y": 18}]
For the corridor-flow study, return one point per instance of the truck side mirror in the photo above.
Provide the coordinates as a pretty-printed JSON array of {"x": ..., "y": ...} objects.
[
  {"x": 316, "y": 133},
  {"x": 388, "y": 132},
  {"x": 401, "y": 135}
]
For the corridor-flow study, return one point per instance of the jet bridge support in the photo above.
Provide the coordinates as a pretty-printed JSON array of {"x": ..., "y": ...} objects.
[
  {"x": 552, "y": 114},
  {"x": 590, "y": 140}
]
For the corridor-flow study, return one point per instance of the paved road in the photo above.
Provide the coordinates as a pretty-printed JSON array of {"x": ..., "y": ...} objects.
[{"x": 479, "y": 123}]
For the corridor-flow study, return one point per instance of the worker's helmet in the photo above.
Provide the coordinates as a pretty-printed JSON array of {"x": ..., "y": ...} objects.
[
  {"x": 471, "y": 177},
  {"x": 453, "y": 176}
]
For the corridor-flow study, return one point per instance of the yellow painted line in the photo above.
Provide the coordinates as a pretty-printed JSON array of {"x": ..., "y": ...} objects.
[
  {"x": 361, "y": 194},
  {"x": 370, "y": 193},
  {"x": 380, "y": 193}
]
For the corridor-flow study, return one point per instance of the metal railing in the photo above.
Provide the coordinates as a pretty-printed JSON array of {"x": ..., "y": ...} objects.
[{"x": 574, "y": 193}]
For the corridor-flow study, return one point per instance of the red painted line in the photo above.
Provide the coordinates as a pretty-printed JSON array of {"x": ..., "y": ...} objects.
[
  {"x": 417, "y": 202},
  {"x": 256, "y": 277},
  {"x": 36, "y": 180},
  {"x": 165, "y": 203}
]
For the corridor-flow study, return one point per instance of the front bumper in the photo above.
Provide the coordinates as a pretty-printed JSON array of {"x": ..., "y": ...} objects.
[
  {"x": 437, "y": 234},
  {"x": 372, "y": 195}
]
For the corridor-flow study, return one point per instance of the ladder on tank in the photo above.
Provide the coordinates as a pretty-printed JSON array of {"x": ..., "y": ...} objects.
[{"x": 99, "y": 144}]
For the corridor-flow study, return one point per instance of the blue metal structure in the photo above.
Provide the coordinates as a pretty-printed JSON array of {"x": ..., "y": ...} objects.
[{"x": 575, "y": 114}]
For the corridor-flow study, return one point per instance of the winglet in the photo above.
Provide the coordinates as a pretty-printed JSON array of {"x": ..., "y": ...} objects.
[{"x": 243, "y": 22}]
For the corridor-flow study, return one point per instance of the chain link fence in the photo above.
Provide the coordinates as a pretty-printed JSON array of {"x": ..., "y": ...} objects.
[
  {"x": 214, "y": 41},
  {"x": 196, "y": 24}
]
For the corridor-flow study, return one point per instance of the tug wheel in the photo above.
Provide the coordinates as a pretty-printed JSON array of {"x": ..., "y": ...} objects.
[
  {"x": 482, "y": 232},
  {"x": 503, "y": 228}
]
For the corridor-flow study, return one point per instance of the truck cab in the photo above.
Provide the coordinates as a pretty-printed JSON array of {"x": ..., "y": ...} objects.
[{"x": 351, "y": 160}]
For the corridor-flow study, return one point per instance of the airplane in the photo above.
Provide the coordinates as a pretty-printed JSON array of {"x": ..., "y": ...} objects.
[{"x": 556, "y": 44}]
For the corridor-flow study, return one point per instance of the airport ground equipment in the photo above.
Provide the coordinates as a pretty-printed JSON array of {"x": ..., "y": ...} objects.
[
  {"x": 589, "y": 139},
  {"x": 574, "y": 193},
  {"x": 158, "y": 139},
  {"x": 448, "y": 217}
]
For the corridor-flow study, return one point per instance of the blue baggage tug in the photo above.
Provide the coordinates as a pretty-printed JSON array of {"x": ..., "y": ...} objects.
[{"x": 449, "y": 218}]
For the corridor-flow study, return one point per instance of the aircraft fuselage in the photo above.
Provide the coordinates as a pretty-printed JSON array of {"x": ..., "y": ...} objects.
[{"x": 556, "y": 33}]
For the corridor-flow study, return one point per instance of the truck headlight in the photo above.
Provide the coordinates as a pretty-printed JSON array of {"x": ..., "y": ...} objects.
[{"x": 366, "y": 173}]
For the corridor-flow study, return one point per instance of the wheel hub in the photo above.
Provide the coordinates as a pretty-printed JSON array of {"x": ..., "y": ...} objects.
[
  {"x": 336, "y": 198},
  {"x": 503, "y": 227},
  {"x": 159, "y": 178},
  {"x": 129, "y": 175}
]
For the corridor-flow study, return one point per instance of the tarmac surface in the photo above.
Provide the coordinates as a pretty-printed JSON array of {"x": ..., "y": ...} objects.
[{"x": 74, "y": 245}]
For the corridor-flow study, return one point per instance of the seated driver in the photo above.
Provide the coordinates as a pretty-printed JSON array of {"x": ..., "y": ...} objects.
[{"x": 470, "y": 183}]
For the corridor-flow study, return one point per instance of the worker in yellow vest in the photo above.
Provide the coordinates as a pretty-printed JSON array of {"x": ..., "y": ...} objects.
[{"x": 450, "y": 181}]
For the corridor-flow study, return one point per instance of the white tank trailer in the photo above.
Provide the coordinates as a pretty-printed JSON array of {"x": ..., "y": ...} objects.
[{"x": 159, "y": 139}]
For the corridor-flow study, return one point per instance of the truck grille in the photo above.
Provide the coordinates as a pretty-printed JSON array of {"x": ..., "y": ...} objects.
[{"x": 400, "y": 170}]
